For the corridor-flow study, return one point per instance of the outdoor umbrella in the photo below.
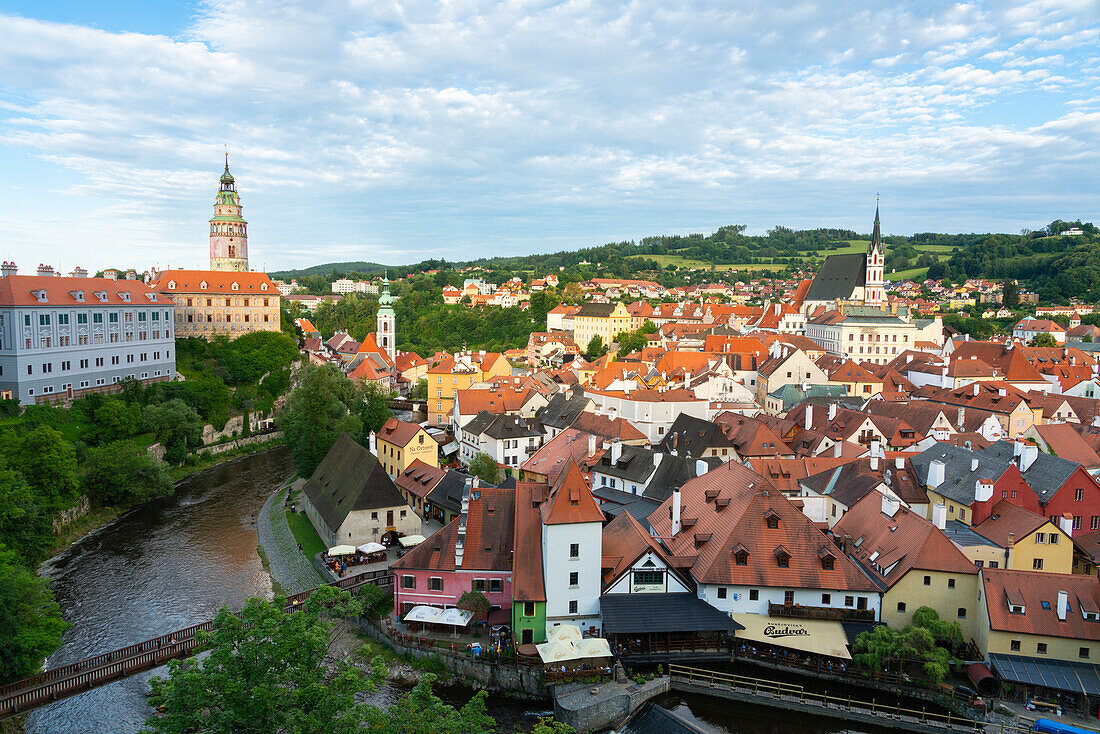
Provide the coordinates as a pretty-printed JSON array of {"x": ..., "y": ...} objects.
[
  {"x": 564, "y": 633},
  {"x": 423, "y": 614},
  {"x": 555, "y": 652},
  {"x": 371, "y": 548},
  {"x": 455, "y": 617},
  {"x": 341, "y": 550},
  {"x": 410, "y": 540},
  {"x": 594, "y": 647}
]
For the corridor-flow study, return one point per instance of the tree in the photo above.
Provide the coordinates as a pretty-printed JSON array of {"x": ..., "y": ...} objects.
[
  {"x": 30, "y": 620},
  {"x": 317, "y": 412},
  {"x": 887, "y": 647},
  {"x": 113, "y": 420},
  {"x": 176, "y": 426},
  {"x": 124, "y": 473},
  {"x": 476, "y": 602},
  {"x": 634, "y": 341},
  {"x": 485, "y": 468},
  {"x": 266, "y": 672},
  {"x": 48, "y": 464},
  {"x": 420, "y": 392},
  {"x": 374, "y": 410},
  {"x": 24, "y": 526},
  {"x": 944, "y": 631},
  {"x": 375, "y": 600},
  {"x": 1010, "y": 294},
  {"x": 1043, "y": 340},
  {"x": 595, "y": 348}
]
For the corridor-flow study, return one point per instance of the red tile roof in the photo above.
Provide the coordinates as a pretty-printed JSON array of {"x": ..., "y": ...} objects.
[
  {"x": 1030, "y": 589},
  {"x": 398, "y": 432},
  {"x": 571, "y": 501},
  {"x": 19, "y": 290},
  {"x": 527, "y": 581},
  {"x": 217, "y": 281},
  {"x": 490, "y": 527}
]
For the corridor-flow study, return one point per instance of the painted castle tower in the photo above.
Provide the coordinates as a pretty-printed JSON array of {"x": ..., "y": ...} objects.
[
  {"x": 386, "y": 320},
  {"x": 228, "y": 230},
  {"x": 874, "y": 292}
]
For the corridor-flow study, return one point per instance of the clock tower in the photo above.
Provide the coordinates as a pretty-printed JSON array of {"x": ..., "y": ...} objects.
[{"x": 228, "y": 230}]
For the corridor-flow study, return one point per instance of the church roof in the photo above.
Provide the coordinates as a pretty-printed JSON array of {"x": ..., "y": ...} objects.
[{"x": 839, "y": 276}]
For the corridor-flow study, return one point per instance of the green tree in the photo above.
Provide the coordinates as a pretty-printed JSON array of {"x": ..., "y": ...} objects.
[
  {"x": 944, "y": 631},
  {"x": 176, "y": 426},
  {"x": 1044, "y": 340},
  {"x": 24, "y": 526},
  {"x": 48, "y": 464},
  {"x": 634, "y": 341},
  {"x": 595, "y": 348},
  {"x": 317, "y": 412},
  {"x": 1010, "y": 294},
  {"x": 420, "y": 392},
  {"x": 485, "y": 468},
  {"x": 113, "y": 420},
  {"x": 30, "y": 620},
  {"x": 249, "y": 357},
  {"x": 124, "y": 473},
  {"x": 375, "y": 600},
  {"x": 889, "y": 648},
  {"x": 374, "y": 409},
  {"x": 476, "y": 602}
]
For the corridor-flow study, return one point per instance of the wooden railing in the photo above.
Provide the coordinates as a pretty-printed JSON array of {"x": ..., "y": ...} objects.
[
  {"x": 831, "y": 613},
  {"x": 789, "y": 692},
  {"x": 68, "y": 680}
]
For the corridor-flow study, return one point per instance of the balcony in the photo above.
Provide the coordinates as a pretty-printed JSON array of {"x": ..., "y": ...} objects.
[{"x": 839, "y": 615}]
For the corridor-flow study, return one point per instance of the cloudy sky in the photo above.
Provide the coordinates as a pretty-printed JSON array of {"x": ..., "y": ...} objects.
[{"x": 395, "y": 131}]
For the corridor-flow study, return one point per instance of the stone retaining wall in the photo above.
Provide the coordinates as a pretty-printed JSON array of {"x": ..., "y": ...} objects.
[
  {"x": 67, "y": 517},
  {"x": 590, "y": 708},
  {"x": 221, "y": 448},
  {"x": 498, "y": 676}
]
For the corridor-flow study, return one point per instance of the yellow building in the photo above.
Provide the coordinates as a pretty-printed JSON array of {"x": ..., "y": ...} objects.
[
  {"x": 459, "y": 373},
  {"x": 211, "y": 302},
  {"x": 1041, "y": 616},
  {"x": 606, "y": 320},
  {"x": 399, "y": 444},
  {"x": 916, "y": 562},
  {"x": 1030, "y": 542}
]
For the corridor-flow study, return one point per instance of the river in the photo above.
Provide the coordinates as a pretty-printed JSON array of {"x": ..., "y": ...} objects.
[{"x": 174, "y": 562}]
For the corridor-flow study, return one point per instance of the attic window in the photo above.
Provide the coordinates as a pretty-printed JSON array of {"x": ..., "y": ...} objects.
[
  {"x": 101, "y": 295},
  {"x": 235, "y": 286},
  {"x": 78, "y": 295},
  {"x": 1016, "y": 608},
  {"x": 782, "y": 557},
  {"x": 772, "y": 519},
  {"x": 171, "y": 285},
  {"x": 151, "y": 296},
  {"x": 491, "y": 510},
  {"x": 263, "y": 286},
  {"x": 827, "y": 563},
  {"x": 741, "y": 558},
  {"x": 202, "y": 285}
]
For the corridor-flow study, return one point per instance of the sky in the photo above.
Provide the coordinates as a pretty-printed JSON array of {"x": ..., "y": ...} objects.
[{"x": 395, "y": 131}]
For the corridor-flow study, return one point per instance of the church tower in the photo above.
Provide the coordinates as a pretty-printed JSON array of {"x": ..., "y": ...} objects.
[
  {"x": 228, "y": 230},
  {"x": 386, "y": 333},
  {"x": 874, "y": 292}
]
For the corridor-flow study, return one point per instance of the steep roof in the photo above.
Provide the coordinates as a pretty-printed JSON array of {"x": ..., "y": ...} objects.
[
  {"x": 1031, "y": 589},
  {"x": 690, "y": 436},
  {"x": 490, "y": 527},
  {"x": 504, "y": 426},
  {"x": 725, "y": 511},
  {"x": 601, "y": 310},
  {"x": 571, "y": 501},
  {"x": 19, "y": 290},
  {"x": 398, "y": 432},
  {"x": 1045, "y": 476},
  {"x": 349, "y": 479},
  {"x": 527, "y": 580},
  {"x": 838, "y": 277},
  {"x": 1069, "y": 445},
  {"x": 568, "y": 447},
  {"x": 605, "y": 427},
  {"x": 217, "y": 281},
  {"x": 889, "y": 547},
  {"x": 420, "y": 478},
  {"x": 960, "y": 474},
  {"x": 1008, "y": 521}
]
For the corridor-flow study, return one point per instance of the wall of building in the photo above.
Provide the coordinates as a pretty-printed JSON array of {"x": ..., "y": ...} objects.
[
  {"x": 536, "y": 622},
  {"x": 205, "y": 314},
  {"x": 912, "y": 591},
  {"x": 738, "y": 598},
  {"x": 1055, "y": 557},
  {"x": 368, "y": 526},
  {"x": 455, "y": 584},
  {"x": 557, "y": 565}
]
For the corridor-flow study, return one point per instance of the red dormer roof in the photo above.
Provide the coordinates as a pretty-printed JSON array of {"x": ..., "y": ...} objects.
[{"x": 571, "y": 501}]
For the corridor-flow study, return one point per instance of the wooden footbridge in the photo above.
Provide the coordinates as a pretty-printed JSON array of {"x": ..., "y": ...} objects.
[{"x": 69, "y": 680}]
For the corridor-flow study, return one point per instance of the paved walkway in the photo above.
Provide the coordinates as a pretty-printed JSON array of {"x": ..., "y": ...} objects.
[{"x": 290, "y": 568}]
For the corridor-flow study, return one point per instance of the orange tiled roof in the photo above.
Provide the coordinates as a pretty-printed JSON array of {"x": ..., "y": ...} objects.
[
  {"x": 217, "y": 281},
  {"x": 398, "y": 432},
  {"x": 1030, "y": 589},
  {"x": 19, "y": 290},
  {"x": 571, "y": 501}
]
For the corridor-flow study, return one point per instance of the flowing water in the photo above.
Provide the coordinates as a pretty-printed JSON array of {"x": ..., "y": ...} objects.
[{"x": 174, "y": 562}]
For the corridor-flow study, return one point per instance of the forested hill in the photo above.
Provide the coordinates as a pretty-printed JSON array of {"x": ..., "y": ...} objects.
[{"x": 1060, "y": 266}]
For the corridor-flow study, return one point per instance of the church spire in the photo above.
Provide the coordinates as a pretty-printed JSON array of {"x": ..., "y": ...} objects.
[{"x": 876, "y": 234}]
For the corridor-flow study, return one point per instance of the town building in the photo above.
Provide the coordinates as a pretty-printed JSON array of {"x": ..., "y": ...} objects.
[
  {"x": 228, "y": 229},
  {"x": 458, "y": 373},
  {"x": 854, "y": 277},
  {"x": 350, "y": 500},
  {"x": 605, "y": 320},
  {"x": 401, "y": 443},
  {"x": 508, "y": 439},
  {"x": 65, "y": 338},
  {"x": 572, "y": 553}
]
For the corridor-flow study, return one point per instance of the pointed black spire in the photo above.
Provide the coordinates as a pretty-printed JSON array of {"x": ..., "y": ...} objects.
[{"x": 876, "y": 235}]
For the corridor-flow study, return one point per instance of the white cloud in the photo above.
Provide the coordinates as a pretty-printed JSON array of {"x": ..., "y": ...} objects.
[{"x": 416, "y": 125}]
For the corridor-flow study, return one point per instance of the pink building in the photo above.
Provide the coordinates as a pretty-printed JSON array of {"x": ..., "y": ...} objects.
[{"x": 473, "y": 552}]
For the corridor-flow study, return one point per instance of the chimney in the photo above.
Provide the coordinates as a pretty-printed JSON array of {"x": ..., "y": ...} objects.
[
  {"x": 1063, "y": 605},
  {"x": 1002, "y": 391},
  {"x": 373, "y": 447},
  {"x": 460, "y": 541},
  {"x": 961, "y": 419},
  {"x": 1065, "y": 522},
  {"x": 45, "y": 270},
  {"x": 78, "y": 272},
  {"x": 832, "y": 411},
  {"x": 657, "y": 456},
  {"x": 874, "y": 459},
  {"x": 676, "y": 512},
  {"x": 983, "y": 490},
  {"x": 974, "y": 463},
  {"x": 890, "y": 505},
  {"x": 838, "y": 450},
  {"x": 591, "y": 445},
  {"x": 936, "y": 471},
  {"x": 977, "y": 389},
  {"x": 899, "y": 462},
  {"x": 616, "y": 451},
  {"x": 700, "y": 467},
  {"x": 8, "y": 268},
  {"x": 939, "y": 515},
  {"x": 809, "y": 416},
  {"x": 1028, "y": 456}
]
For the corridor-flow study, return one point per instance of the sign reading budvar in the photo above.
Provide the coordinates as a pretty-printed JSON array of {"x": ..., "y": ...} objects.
[{"x": 785, "y": 630}]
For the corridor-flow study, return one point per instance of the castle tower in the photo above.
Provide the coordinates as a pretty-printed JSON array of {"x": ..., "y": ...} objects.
[
  {"x": 386, "y": 330},
  {"x": 228, "y": 230},
  {"x": 874, "y": 293}
]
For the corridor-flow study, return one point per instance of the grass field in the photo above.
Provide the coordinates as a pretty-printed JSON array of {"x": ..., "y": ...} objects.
[
  {"x": 687, "y": 262},
  {"x": 911, "y": 274},
  {"x": 303, "y": 532}
]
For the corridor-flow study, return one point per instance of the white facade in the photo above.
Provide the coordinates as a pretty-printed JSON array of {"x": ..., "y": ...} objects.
[
  {"x": 755, "y": 599},
  {"x": 647, "y": 575},
  {"x": 651, "y": 417},
  {"x": 567, "y": 549},
  {"x": 507, "y": 451}
]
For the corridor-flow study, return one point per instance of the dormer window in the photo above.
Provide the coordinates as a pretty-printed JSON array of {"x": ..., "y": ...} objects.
[
  {"x": 202, "y": 285},
  {"x": 1016, "y": 608},
  {"x": 152, "y": 296},
  {"x": 234, "y": 286},
  {"x": 772, "y": 519},
  {"x": 782, "y": 557},
  {"x": 124, "y": 295},
  {"x": 171, "y": 285},
  {"x": 740, "y": 555},
  {"x": 101, "y": 295},
  {"x": 263, "y": 286},
  {"x": 78, "y": 296}
]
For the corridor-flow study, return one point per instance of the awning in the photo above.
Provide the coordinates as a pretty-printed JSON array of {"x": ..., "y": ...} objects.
[
  {"x": 633, "y": 614},
  {"x": 564, "y": 633},
  {"x": 410, "y": 540},
  {"x": 983, "y": 680},
  {"x": 450, "y": 448},
  {"x": 555, "y": 652},
  {"x": 593, "y": 647},
  {"x": 455, "y": 617},
  {"x": 371, "y": 548},
  {"x": 1058, "y": 675},
  {"x": 341, "y": 550},
  {"x": 559, "y": 651},
  {"x": 423, "y": 614},
  {"x": 822, "y": 637}
]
